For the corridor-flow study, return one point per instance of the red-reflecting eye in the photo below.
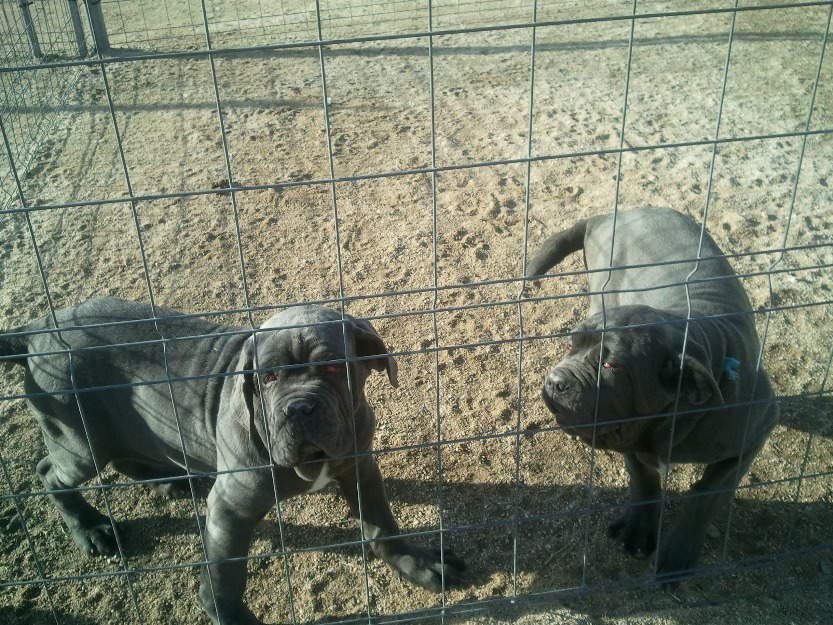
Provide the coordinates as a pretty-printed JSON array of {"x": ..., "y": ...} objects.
[
  {"x": 607, "y": 365},
  {"x": 333, "y": 369},
  {"x": 270, "y": 377}
]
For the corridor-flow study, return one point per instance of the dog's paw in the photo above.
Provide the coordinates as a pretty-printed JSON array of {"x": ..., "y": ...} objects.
[
  {"x": 675, "y": 564},
  {"x": 428, "y": 568},
  {"x": 176, "y": 489},
  {"x": 99, "y": 540},
  {"x": 231, "y": 615},
  {"x": 635, "y": 534}
]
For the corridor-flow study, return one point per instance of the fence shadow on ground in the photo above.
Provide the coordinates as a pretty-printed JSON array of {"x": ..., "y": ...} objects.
[{"x": 22, "y": 614}]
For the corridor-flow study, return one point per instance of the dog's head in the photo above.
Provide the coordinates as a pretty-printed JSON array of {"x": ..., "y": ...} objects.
[
  {"x": 624, "y": 371},
  {"x": 303, "y": 393}
]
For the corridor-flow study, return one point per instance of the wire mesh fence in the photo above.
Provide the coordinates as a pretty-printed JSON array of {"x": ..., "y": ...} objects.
[
  {"x": 400, "y": 162},
  {"x": 245, "y": 24},
  {"x": 32, "y": 33}
]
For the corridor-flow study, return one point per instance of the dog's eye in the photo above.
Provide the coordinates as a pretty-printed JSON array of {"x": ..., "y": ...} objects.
[
  {"x": 270, "y": 377},
  {"x": 607, "y": 365},
  {"x": 333, "y": 369}
]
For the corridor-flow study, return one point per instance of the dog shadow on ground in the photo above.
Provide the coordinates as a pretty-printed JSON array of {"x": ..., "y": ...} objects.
[
  {"x": 506, "y": 512},
  {"x": 550, "y": 538},
  {"x": 812, "y": 414}
]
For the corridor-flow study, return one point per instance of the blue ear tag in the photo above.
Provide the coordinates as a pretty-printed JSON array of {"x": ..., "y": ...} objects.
[{"x": 729, "y": 366}]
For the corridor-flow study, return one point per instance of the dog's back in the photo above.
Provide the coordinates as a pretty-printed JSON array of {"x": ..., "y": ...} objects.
[
  {"x": 661, "y": 258},
  {"x": 99, "y": 323},
  {"x": 124, "y": 367}
]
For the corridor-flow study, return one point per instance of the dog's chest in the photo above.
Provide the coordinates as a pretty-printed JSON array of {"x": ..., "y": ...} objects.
[{"x": 322, "y": 479}]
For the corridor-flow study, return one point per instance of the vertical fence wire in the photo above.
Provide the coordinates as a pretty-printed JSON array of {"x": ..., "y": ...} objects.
[
  {"x": 666, "y": 471},
  {"x": 341, "y": 299},
  {"x": 609, "y": 273},
  {"x": 248, "y": 309},
  {"x": 212, "y": 582},
  {"x": 438, "y": 411},
  {"x": 517, "y": 512}
]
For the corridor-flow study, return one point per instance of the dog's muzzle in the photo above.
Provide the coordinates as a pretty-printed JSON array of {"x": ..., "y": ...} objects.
[
  {"x": 558, "y": 393},
  {"x": 309, "y": 427},
  {"x": 564, "y": 396}
]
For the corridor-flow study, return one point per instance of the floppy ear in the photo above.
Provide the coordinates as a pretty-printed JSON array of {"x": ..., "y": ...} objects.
[
  {"x": 244, "y": 389},
  {"x": 699, "y": 383},
  {"x": 369, "y": 343},
  {"x": 698, "y": 386}
]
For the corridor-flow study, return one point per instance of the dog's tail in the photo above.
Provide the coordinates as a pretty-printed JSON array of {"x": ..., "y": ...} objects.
[
  {"x": 13, "y": 348},
  {"x": 557, "y": 248}
]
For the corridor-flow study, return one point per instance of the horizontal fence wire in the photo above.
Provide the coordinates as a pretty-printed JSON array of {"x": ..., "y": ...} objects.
[{"x": 60, "y": 63}]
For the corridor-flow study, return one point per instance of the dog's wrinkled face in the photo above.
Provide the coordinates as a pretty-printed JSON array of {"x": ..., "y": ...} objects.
[
  {"x": 306, "y": 397},
  {"x": 620, "y": 375}
]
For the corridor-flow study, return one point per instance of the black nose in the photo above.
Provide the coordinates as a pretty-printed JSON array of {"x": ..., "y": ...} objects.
[
  {"x": 298, "y": 408},
  {"x": 556, "y": 383}
]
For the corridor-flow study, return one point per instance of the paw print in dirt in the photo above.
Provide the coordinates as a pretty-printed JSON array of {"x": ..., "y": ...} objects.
[{"x": 472, "y": 241}]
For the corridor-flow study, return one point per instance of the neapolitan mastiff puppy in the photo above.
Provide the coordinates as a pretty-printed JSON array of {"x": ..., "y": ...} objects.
[
  {"x": 312, "y": 424},
  {"x": 640, "y": 379}
]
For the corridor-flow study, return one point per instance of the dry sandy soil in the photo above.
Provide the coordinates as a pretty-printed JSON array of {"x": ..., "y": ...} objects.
[{"x": 510, "y": 489}]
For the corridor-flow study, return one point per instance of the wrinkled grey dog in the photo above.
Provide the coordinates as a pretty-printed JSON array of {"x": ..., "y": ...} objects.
[
  {"x": 668, "y": 391},
  {"x": 312, "y": 425}
]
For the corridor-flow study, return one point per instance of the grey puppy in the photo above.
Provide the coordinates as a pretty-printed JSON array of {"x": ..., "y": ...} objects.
[
  {"x": 674, "y": 385},
  {"x": 248, "y": 405}
]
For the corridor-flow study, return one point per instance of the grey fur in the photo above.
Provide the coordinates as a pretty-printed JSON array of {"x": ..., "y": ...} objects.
[
  {"x": 221, "y": 382},
  {"x": 658, "y": 402}
]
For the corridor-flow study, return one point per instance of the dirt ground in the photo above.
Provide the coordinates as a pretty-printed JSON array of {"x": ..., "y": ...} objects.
[{"x": 509, "y": 489}]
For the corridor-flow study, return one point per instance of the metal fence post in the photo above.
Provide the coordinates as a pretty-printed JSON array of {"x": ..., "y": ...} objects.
[
  {"x": 75, "y": 16},
  {"x": 100, "y": 38},
  {"x": 31, "y": 35}
]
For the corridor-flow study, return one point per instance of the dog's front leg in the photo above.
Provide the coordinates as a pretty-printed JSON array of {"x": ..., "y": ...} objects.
[
  {"x": 230, "y": 524},
  {"x": 422, "y": 567},
  {"x": 681, "y": 546},
  {"x": 635, "y": 532}
]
